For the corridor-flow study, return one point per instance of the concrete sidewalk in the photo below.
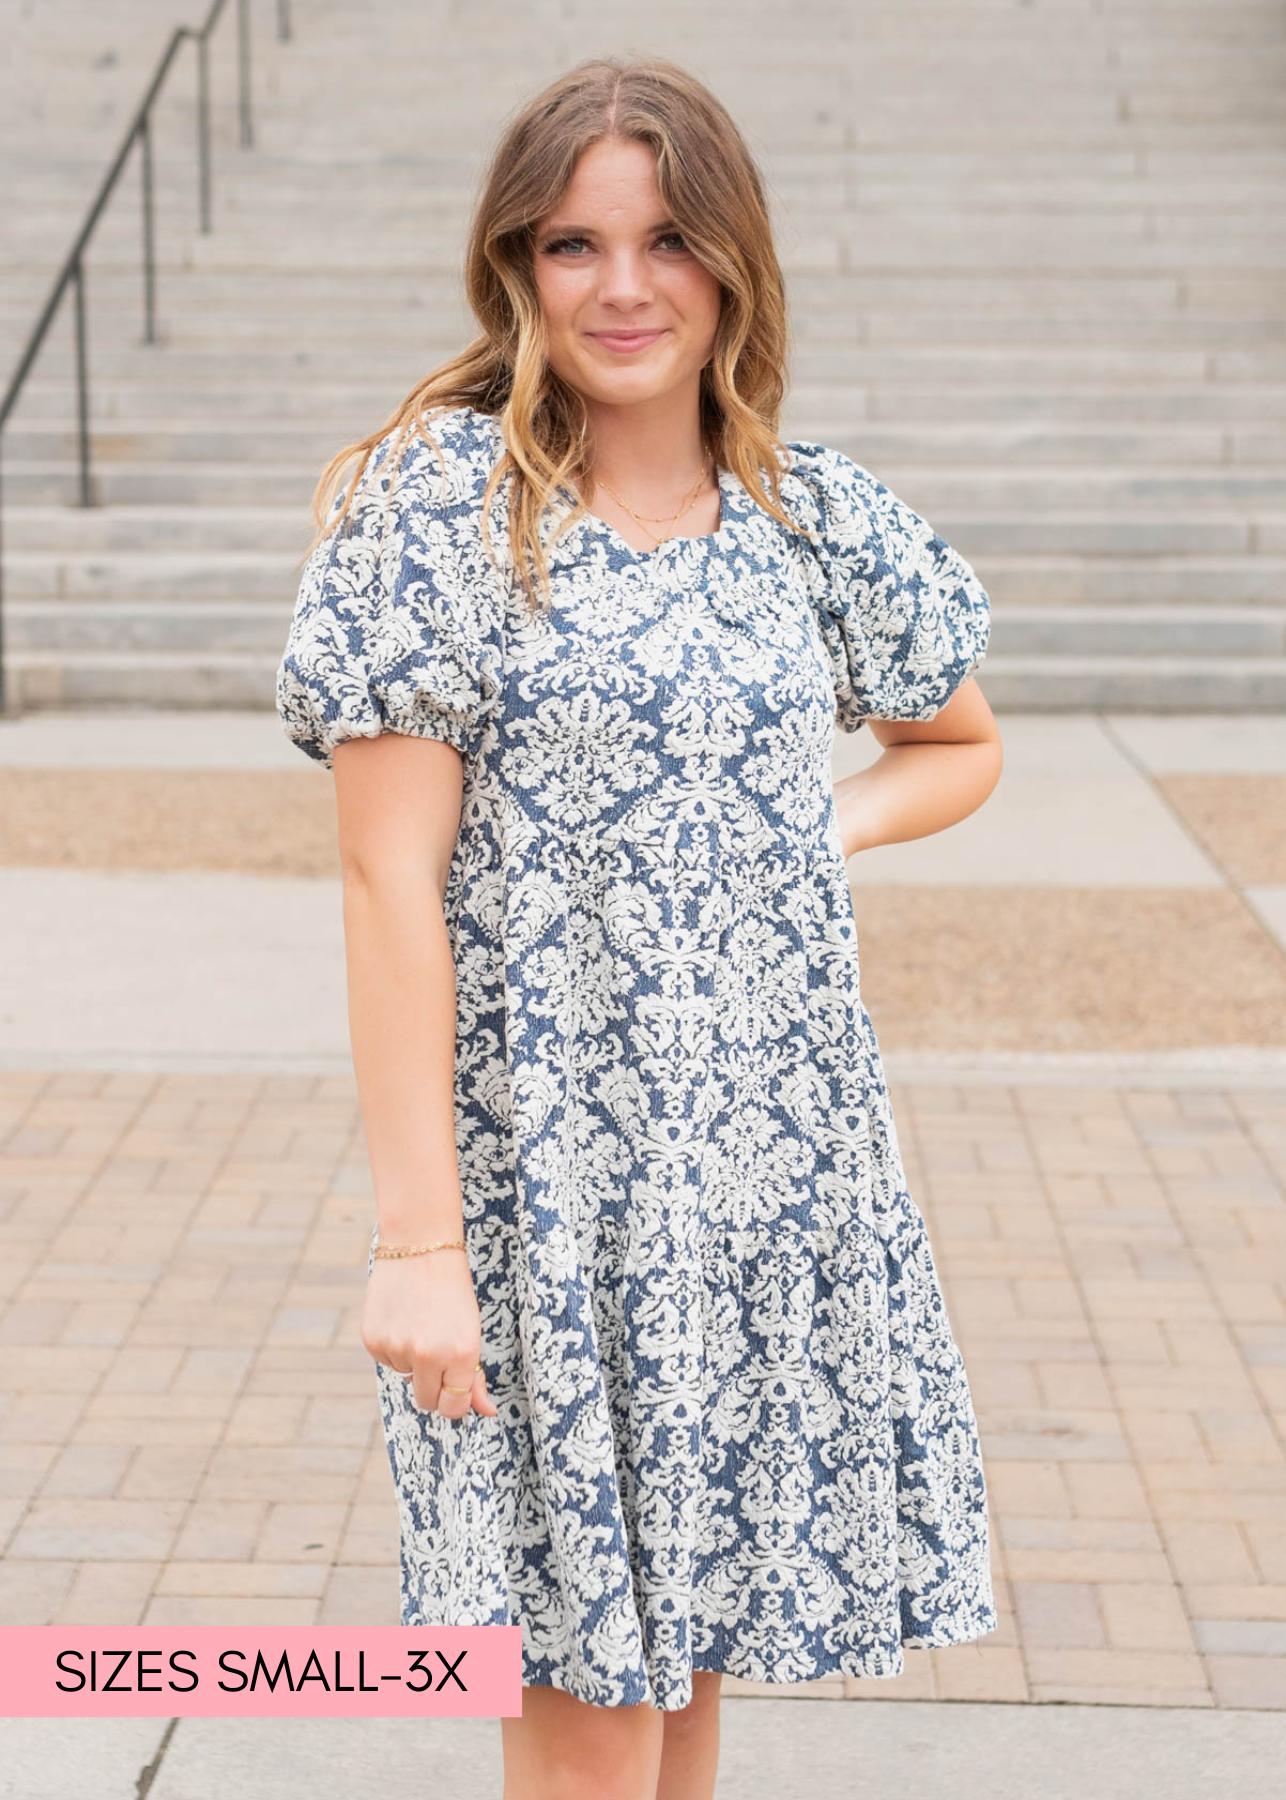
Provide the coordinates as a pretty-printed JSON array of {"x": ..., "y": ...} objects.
[
  {"x": 969, "y": 1751},
  {"x": 170, "y": 879}
]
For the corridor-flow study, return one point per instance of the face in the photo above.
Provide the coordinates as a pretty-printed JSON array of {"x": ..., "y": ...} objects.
[{"x": 630, "y": 313}]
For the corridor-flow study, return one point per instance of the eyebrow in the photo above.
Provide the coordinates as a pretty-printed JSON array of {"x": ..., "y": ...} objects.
[{"x": 588, "y": 230}]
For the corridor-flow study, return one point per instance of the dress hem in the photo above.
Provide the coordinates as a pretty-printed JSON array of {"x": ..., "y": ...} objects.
[{"x": 880, "y": 1665}]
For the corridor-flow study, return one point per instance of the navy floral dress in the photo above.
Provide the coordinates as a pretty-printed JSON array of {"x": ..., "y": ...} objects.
[{"x": 734, "y": 1430}]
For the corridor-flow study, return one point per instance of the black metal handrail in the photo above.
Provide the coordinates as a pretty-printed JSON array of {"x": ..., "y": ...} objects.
[{"x": 72, "y": 273}]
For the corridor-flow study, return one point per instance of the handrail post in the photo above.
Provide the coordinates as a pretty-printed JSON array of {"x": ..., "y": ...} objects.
[
  {"x": 203, "y": 127},
  {"x": 149, "y": 231},
  {"x": 82, "y": 383},
  {"x": 243, "y": 72}
]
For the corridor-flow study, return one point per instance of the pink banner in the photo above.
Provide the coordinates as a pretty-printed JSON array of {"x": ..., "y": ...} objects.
[{"x": 261, "y": 1671}]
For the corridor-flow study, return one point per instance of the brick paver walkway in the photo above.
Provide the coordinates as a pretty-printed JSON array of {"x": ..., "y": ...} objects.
[{"x": 189, "y": 1421}]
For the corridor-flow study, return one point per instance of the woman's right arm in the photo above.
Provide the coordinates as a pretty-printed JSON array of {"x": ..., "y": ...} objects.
[{"x": 398, "y": 800}]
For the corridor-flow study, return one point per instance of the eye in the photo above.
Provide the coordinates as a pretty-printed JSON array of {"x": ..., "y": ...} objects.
[{"x": 556, "y": 246}]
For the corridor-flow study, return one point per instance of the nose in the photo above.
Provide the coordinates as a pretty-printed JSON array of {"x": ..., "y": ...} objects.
[{"x": 625, "y": 280}]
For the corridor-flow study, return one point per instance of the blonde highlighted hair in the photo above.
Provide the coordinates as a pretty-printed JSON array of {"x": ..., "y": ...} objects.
[{"x": 713, "y": 191}]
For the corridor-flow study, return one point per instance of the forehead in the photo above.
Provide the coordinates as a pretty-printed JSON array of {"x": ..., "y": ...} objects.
[{"x": 612, "y": 177}]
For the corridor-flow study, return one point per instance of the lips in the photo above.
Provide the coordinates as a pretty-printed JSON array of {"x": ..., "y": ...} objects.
[{"x": 626, "y": 340}]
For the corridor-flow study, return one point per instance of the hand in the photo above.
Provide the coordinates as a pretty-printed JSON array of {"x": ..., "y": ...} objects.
[
  {"x": 421, "y": 1320},
  {"x": 854, "y": 817},
  {"x": 931, "y": 774}
]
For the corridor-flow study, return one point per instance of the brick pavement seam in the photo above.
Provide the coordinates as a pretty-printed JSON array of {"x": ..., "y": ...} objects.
[
  {"x": 1266, "y": 1411},
  {"x": 235, "y": 1395},
  {"x": 907, "y": 1128},
  {"x": 92, "y": 1393},
  {"x": 1105, "y": 1365},
  {"x": 1247, "y": 1126},
  {"x": 1248, "y": 1065},
  {"x": 374, "y": 1440}
]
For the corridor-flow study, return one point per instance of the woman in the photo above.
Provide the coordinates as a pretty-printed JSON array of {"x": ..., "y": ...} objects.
[{"x": 664, "y": 1368}]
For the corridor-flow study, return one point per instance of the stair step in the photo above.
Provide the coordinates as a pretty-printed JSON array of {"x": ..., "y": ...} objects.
[
  {"x": 1210, "y": 582},
  {"x": 182, "y": 623},
  {"x": 1169, "y": 632},
  {"x": 36, "y": 680},
  {"x": 213, "y": 571},
  {"x": 1081, "y": 366},
  {"x": 1023, "y": 293},
  {"x": 286, "y": 526},
  {"x": 83, "y": 579},
  {"x": 1020, "y": 490},
  {"x": 814, "y": 405},
  {"x": 1010, "y": 683},
  {"x": 1028, "y": 487},
  {"x": 1135, "y": 684},
  {"x": 1188, "y": 451},
  {"x": 144, "y": 529},
  {"x": 153, "y": 627},
  {"x": 179, "y": 326}
]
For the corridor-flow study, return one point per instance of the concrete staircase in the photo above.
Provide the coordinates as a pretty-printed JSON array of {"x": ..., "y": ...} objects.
[{"x": 1037, "y": 270}]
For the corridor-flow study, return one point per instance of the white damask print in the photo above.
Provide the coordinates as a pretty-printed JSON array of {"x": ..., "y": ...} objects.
[{"x": 735, "y": 1430}]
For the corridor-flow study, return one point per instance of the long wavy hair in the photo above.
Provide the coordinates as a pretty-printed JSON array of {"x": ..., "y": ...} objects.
[{"x": 714, "y": 192}]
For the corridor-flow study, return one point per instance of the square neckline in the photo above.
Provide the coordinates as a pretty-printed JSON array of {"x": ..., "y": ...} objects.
[
  {"x": 735, "y": 502},
  {"x": 719, "y": 536},
  {"x": 593, "y": 524}
]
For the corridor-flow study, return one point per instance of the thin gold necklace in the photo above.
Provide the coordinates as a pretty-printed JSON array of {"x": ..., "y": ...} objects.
[
  {"x": 653, "y": 518},
  {"x": 641, "y": 519}
]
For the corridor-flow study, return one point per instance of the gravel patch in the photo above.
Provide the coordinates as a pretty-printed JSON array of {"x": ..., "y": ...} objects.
[
  {"x": 1240, "y": 820},
  {"x": 944, "y": 969},
  {"x": 249, "y": 821},
  {"x": 1067, "y": 968}
]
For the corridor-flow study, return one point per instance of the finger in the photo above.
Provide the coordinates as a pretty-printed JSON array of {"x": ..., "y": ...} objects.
[
  {"x": 455, "y": 1394},
  {"x": 482, "y": 1400},
  {"x": 416, "y": 1381},
  {"x": 405, "y": 1375}
]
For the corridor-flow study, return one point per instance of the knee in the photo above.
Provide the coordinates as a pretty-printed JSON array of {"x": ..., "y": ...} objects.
[
  {"x": 566, "y": 1750},
  {"x": 581, "y": 1778},
  {"x": 706, "y": 1686}
]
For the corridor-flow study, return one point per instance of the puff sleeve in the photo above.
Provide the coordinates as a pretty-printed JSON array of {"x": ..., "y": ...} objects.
[
  {"x": 397, "y": 622},
  {"x": 902, "y": 615}
]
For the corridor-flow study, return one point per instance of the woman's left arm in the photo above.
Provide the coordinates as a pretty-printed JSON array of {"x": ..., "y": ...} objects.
[{"x": 932, "y": 773}]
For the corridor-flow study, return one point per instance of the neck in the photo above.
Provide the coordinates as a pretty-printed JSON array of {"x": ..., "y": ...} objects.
[{"x": 650, "y": 451}]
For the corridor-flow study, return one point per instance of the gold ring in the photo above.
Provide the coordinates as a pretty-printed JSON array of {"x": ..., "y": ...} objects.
[{"x": 448, "y": 1389}]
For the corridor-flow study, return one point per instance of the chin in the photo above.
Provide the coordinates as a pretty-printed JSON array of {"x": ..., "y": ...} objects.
[{"x": 629, "y": 388}]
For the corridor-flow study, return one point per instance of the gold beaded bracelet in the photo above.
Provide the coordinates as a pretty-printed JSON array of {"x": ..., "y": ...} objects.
[{"x": 419, "y": 1249}]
